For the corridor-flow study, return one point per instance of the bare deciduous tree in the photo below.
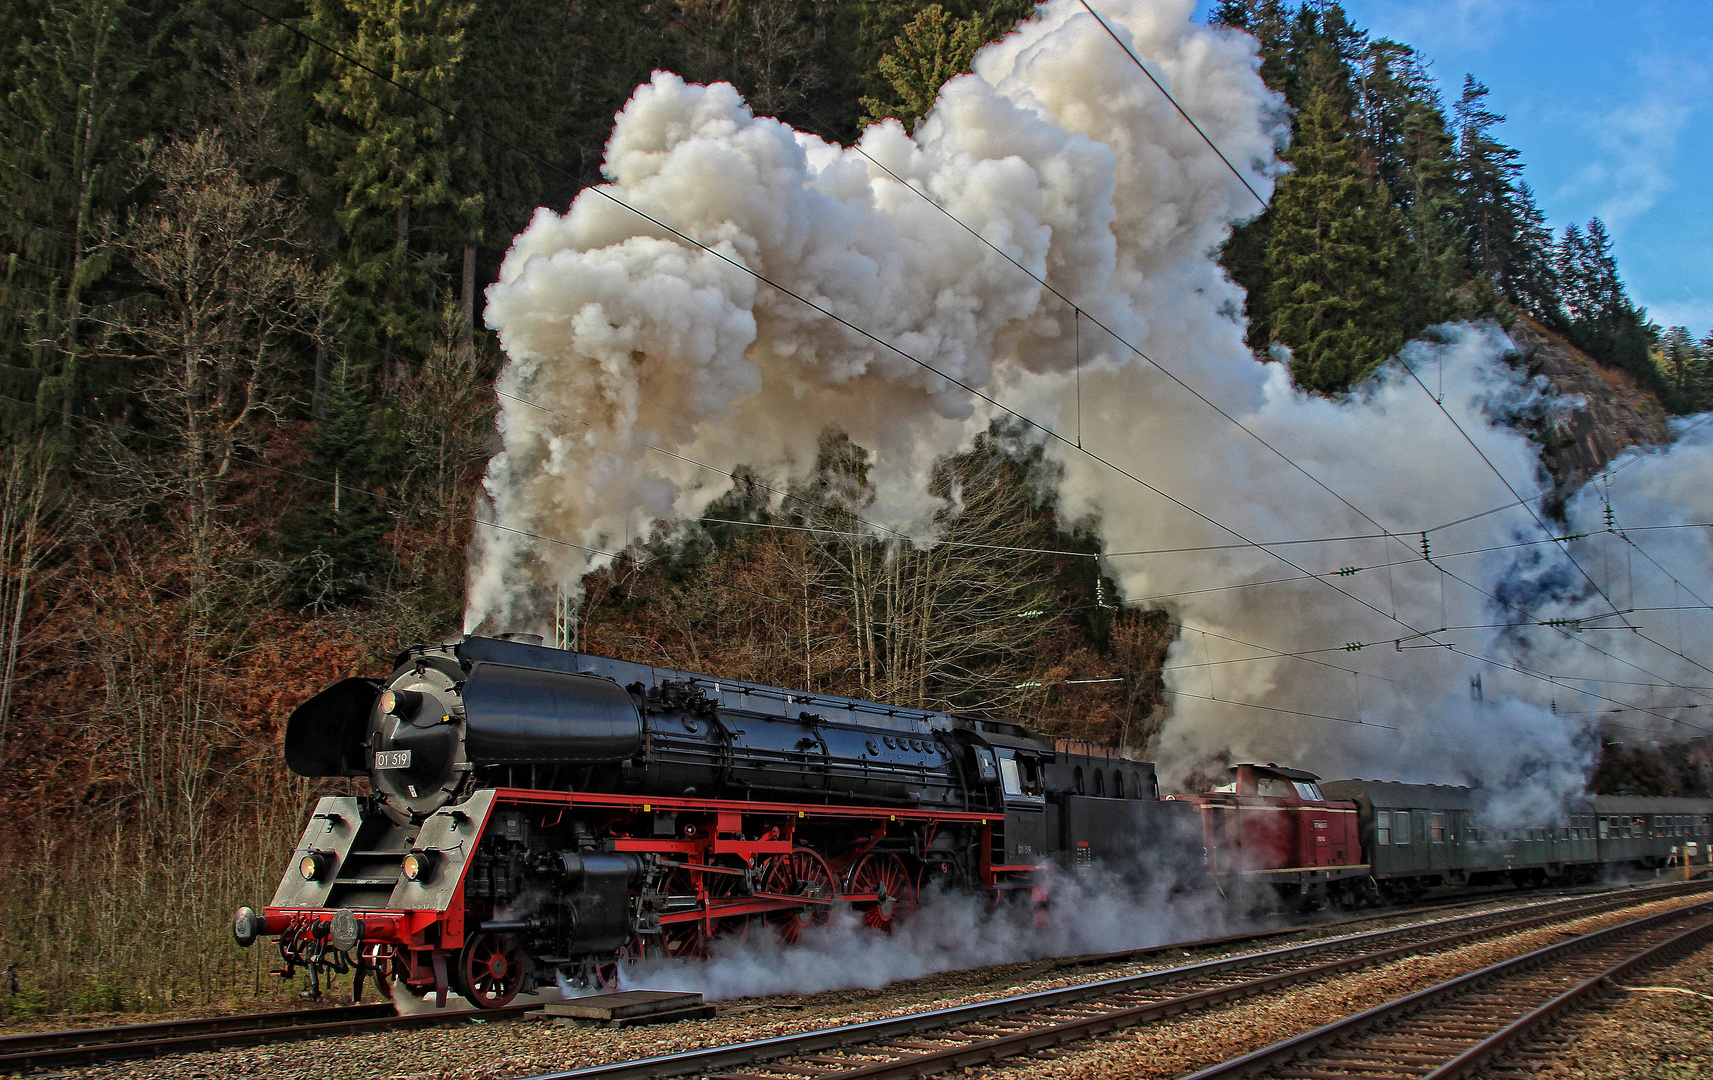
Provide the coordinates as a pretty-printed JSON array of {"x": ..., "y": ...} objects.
[
  {"x": 32, "y": 527},
  {"x": 232, "y": 286}
]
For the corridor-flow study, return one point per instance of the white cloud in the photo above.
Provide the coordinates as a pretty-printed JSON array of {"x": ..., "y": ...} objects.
[
  {"x": 1474, "y": 25},
  {"x": 1694, "y": 312},
  {"x": 1638, "y": 140}
]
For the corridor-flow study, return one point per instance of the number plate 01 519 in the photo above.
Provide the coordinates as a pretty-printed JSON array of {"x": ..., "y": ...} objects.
[{"x": 392, "y": 759}]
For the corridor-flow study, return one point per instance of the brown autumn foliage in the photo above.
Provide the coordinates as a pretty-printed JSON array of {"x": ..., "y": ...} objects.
[{"x": 150, "y": 648}]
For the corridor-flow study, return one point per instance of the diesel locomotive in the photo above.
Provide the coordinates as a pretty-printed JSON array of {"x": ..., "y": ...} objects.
[
  {"x": 535, "y": 814},
  {"x": 1275, "y": 833},
  {"x": 532, "y": 815}
]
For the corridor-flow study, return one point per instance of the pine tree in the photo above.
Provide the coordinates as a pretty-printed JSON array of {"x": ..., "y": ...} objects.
[
  {"x": 933, "y": 48},
  {"x": 1335, "y": 252},
  {"x": 1684, "y": 366},
  {"x": 1414, "y": 154},
  {"x": 1532, "y": 281},
  {"x": 64, "y": 129},
  {"x": 333, "y": 540},
  {"x": 1599, "y": 317},
  {"x": 386, "y": 159},
  {"x": 1699, "y": 387},
  {"x": 1487, "y": 174}
]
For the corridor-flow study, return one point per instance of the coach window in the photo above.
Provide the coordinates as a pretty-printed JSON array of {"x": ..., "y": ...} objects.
[
  {"x": 1382, "y": 826},
  {"x": 1436, "y": 828},
  {"x": 1605, "y": 828},
  {"x": 1400, "y": 826}
]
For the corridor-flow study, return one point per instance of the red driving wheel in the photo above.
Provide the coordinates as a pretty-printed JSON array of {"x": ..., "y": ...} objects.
[
  {"x": 490, "y": 970},
  {"x": 887, "y": 876},
  {"x": 800, "y": 873},
  {"x": 691, "y": 939}
]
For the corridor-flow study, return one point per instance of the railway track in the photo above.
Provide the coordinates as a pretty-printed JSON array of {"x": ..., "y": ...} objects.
[
  {"x": 85, "y": 1046},
  {"x": 1454, "y": 1029},
  {"x": 982, "y": 1033},
  {"x": 88, "y": 1046},
  {"x": 67, "y": 1049}
]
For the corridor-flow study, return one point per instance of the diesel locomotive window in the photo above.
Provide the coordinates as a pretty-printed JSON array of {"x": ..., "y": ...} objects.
[
  {"x": 1308, "y": 792},
  {"x": 1400, "y": 826},
  {"x": 1269, "y": 787},
  {"x": 1382, "y": 826}
]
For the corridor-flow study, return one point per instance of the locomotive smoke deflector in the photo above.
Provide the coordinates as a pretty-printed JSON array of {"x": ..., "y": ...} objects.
[{"x": 324, "y": 736}]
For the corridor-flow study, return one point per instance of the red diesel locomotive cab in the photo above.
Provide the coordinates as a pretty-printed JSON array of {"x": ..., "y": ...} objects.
[{"x": 1272, "y": 826}]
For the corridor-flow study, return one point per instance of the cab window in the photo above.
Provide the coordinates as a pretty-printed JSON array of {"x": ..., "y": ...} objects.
[
  {"x": 1310, "y": 792},
  {"x": 1272, "y": 788},
  {"x": 1019, "y": 776}
]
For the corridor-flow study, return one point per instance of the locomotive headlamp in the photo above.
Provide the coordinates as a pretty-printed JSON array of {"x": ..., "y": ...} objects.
[
  {"x": 401, "y": 703},
  {"x": 312, "y": 866},
  {"x": 419, "y": 866}
]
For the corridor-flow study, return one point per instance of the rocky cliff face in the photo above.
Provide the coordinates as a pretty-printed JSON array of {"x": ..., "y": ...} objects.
[{"x": 1600, "y": 412}]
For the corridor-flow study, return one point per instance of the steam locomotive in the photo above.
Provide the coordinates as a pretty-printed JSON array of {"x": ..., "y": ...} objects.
[{"x": 535, "y": 815}]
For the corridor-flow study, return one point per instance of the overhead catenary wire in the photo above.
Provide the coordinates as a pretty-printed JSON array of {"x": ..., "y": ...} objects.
[
  {"x": 1049, "y": 432},
  {"x": 1138, "y": 60},
  {"x": 1503, "y": 479},
  {"x": 1278, "y": 709}
]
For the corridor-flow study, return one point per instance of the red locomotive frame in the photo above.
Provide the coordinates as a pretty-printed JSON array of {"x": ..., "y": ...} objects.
[{"x": 731, "y": 862}]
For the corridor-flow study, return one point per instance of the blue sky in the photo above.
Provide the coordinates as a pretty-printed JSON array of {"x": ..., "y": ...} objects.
[{"x": 1611, "y": 104}]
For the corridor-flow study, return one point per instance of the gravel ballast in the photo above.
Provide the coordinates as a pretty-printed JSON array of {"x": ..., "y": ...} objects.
[{"x": 508, "y": 1049}]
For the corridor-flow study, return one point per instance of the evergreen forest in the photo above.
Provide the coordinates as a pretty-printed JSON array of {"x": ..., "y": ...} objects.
[{"x": 246, "y": 400}]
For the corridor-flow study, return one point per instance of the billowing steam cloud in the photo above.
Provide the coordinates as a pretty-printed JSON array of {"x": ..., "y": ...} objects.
[
  {"x": 622, "y": 338},
  {"x": 1056, "y": 152}
]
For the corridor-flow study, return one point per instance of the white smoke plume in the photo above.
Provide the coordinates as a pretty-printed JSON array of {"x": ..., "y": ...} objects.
[
  {"x": 1089, "y": 911},
  {"x": 612, "y": 323},
  {"x": 622, "y": 337}
]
